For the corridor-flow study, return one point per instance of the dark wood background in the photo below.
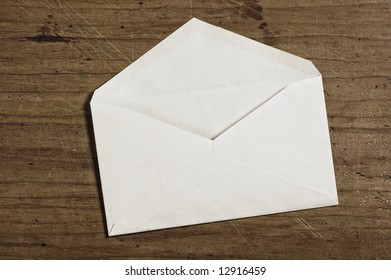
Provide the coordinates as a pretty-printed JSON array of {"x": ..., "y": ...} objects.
[{"x": 53, "y": 54}]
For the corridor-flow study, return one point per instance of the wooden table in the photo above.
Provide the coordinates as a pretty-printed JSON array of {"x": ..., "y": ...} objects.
[{"x": 53, "y": 54}]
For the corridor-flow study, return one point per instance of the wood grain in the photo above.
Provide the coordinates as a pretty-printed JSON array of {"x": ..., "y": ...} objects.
[{"x": 53, "y": 54}]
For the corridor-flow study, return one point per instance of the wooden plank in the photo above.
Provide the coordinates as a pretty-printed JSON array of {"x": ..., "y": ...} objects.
[{"x": 54, "y": 54}]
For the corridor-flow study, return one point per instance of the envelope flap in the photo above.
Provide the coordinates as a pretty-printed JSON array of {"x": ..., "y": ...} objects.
[
  {"x": 200, "y": 56},
  {"x": 202, "y": 62}
]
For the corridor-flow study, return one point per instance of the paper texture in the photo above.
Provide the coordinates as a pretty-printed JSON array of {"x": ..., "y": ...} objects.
[{"x": 210, "y": 126}]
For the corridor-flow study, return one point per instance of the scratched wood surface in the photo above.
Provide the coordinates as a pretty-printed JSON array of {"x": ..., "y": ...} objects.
[{"x": 53, "y": 54}]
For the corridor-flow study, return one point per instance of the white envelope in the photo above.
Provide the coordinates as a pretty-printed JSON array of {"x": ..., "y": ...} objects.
[{"x": 210, "y": 126}]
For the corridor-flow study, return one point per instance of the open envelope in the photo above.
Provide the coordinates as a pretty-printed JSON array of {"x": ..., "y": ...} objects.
[{"x": 210, "y": 126}]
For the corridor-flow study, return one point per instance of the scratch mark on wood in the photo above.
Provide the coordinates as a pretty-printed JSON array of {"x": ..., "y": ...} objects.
[
  {"x": 241, "y": 235},
  {"x": 91, "y": 45},
  {"x": 70, "y": 104},
  {"x": 96, "y": 49},
  {"x": 350, "y": 62},
  {"x": 308, "y": 227},
  {"x": 25, "y": 10}
]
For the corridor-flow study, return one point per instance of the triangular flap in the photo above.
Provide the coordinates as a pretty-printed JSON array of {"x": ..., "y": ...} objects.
[
  {"x": 198, "y": 56},
  {"x": 288, "y": 135}
]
